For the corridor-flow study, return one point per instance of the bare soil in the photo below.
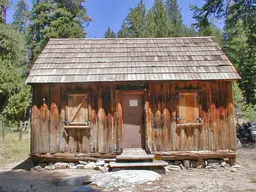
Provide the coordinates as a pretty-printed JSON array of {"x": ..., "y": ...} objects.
[{"x": 221, "y": 179}]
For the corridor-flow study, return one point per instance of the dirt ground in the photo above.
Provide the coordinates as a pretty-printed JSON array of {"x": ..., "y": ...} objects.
[{"x": 221, "y": 179}]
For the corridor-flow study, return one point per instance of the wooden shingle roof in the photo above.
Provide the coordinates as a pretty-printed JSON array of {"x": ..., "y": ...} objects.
[{"x": 148, "y": 59}]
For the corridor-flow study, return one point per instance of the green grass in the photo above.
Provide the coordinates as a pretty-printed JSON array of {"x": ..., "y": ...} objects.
[{"x": 13, "y": 150}]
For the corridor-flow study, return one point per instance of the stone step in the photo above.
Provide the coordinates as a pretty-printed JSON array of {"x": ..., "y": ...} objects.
[
  {"x": 133, "y": 151},
  {"x": 134, "y": 155},
  {"x": 154, "y": 164},
  {"x": 134, "y": 158}
]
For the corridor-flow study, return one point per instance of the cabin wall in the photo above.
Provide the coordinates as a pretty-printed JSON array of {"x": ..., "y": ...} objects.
[
  {"x": 51, "y": 113},
  {"x": 164, "y": 130},
  {"x": 215, "y": 130}
]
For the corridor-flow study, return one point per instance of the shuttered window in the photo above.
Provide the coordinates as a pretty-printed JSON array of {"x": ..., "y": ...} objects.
[
  {"x": 188, "y": 111},
  {"x": 77, "y": 108}
]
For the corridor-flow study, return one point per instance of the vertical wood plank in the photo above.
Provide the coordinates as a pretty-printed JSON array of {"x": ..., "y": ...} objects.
[
  {"x": 158, "y": 132},
  {"x": 94, "y": 136},
  {"x": 106, "y": 135},
  {"x": 120, "y": 127},
  {"x": 44, "y": 131},
  {"x": 71, "y": 141},
  {"x": 223, "y": 128},
  {"x": 54, "y": 128},
  {"x": 166, "y": 130},
  {"x": 148, "y": 127},
  {"x": 101, "y": 130},
  {"x": 63, "y": 139},
  {"x": 85, "y": 144},
  {"x": 196, "y": 138},
  {"x": 206, "y": 130},
  {"x": 212, "y": 126},
  {"x": 35, "y": 130},
  {"x": 111, "y": 133},
  {"x": 231, "y": 126},
  {"x": 182, "y": 139}
]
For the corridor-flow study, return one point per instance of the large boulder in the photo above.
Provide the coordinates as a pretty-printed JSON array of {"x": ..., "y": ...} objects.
[{"x": 124, "y": 178}]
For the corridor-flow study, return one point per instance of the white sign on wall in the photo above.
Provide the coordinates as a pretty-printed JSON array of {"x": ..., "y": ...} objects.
[{"x": 133, "y": 103}]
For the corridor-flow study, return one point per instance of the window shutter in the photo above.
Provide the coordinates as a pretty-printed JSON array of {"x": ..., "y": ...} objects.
[
  {"x": 77, "y": 108},
  {"x": 188, "y": 111}
]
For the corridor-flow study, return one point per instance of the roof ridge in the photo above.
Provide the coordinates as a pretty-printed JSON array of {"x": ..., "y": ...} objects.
[{"x": 157, "y": 38}]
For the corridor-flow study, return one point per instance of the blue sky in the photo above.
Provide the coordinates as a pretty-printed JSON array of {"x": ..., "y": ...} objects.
[{"x": 110, "y": 13}]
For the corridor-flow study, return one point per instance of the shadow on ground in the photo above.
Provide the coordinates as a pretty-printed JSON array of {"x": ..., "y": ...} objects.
[
  {"x": 21, "y": 178},
  {"x": 25, "y": 165}
]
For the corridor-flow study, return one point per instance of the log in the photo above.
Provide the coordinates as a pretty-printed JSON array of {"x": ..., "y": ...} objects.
[
  {"x": 35, "y": 130},
  {"x": 196, "y": 155},
  {"x": 44, "y": 131},
  {"x": 78, "y": 127},
  {"x": 62, "y": 157},
  {"x": 54, "y": 128}
]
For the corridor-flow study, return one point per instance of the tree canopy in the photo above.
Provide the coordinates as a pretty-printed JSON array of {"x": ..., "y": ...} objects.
[
  {"x": 55, "y": 19},
  {"x": 110, "y": 33},
  {"x": 14, "y": 95},
  {"x": 22, "y": 41},
  {"x": 239, "y": 39},
  {"x": 162, "y": 20},
  {"x": 21, "y": 16}
]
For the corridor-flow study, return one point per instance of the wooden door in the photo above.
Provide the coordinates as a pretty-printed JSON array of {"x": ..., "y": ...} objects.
[{"x": 132, "y": 117}]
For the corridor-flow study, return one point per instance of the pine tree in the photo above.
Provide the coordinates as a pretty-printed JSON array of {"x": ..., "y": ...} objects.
[
  {"x": 51, "y": 19},
  {"x": 124, "y": 31},
  {"x": 21, "y": 16},
  {"x": 110, "y": 33},
  {"x": 157, "y": 21},
  {"x": 175, "y": 17},
  {"x": 134, "y": 25}
]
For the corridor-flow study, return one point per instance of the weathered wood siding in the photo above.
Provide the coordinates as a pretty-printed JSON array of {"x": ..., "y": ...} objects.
[
  {"x": 165, "y": 132},
  {"x": 163, "y": 128}
]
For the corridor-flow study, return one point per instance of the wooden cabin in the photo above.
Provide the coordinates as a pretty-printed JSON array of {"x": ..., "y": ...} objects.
[{"x": 170, "y": 96}]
